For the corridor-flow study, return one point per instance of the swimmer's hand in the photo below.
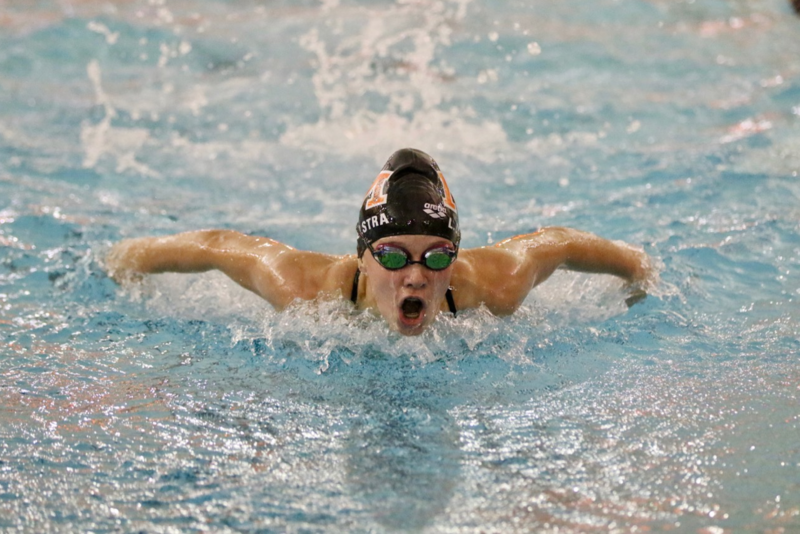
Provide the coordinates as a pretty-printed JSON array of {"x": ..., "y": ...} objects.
[
  {"x": 637, "y": 296},
  {"x": 642, "y": 278}
]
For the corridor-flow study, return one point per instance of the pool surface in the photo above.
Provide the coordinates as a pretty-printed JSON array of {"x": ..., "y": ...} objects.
[{"x": 185, "y": 404}]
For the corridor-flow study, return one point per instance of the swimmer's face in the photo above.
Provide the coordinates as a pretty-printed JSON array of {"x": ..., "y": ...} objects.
[{"x": 408, "y": 298}]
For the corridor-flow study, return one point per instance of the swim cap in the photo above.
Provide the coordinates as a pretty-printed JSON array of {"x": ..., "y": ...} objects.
[{"x": 409, "y": 197}]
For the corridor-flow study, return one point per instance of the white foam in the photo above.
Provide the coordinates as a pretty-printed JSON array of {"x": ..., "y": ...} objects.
[
  {"x": 389, "y": 57},
  {"x": 102, "y": 29},
  {"x": 103, "y": 139},
  {"x": 371, "y": 134},
  {"x": 315, "y": 330}
]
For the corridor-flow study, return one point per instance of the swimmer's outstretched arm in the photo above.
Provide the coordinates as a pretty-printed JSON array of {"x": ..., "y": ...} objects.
[
  {"x": 510, "y": 269},
  {"x": 548, "y": 249},
  {"x": 273, "y": 270}
]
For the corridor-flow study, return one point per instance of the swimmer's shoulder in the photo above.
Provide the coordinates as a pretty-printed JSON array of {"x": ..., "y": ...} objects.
[
  {"x": 339, "y": 275},
  {"x": 300, "y": 274},
  {"x": 485, "y": 275}
]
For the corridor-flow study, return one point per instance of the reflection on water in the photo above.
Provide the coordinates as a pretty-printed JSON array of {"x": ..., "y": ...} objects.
[
  {"x": 403, "y": 455},
  {"x": 185, "y": 403}
]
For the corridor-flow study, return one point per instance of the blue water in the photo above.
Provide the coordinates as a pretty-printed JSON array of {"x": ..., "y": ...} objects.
[{"x": 184, "y": 403}]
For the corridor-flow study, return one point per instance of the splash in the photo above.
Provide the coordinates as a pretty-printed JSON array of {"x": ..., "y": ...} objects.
[
  {"x": 380, "y": 84},
  {"x": 103, "y": 139},
  {"x": 323, "y": 331}
]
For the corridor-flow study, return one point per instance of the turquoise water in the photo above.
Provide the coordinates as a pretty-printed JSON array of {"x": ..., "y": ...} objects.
[{"x": 186, "y": 404}]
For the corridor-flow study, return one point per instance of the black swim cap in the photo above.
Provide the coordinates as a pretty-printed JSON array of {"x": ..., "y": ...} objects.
[{"x": 409, "y": 197}]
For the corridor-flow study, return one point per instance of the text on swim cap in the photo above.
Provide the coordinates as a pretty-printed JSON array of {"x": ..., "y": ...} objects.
[
  {"x": 372, "y": 222},
  {"x": 435, "y": 211},
  {"x": 434, "y": 207}
]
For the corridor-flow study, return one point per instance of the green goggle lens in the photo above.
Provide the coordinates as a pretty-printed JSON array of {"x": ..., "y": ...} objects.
[
  {"x": 394, "y": 258},
  {"x": 437, "y": 260}
]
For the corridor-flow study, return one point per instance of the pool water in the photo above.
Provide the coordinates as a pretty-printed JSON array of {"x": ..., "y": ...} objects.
[{"x": 184, "y": 403}]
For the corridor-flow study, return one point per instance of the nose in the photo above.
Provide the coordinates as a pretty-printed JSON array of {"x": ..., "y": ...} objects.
[{"x": 415, "y": 277}]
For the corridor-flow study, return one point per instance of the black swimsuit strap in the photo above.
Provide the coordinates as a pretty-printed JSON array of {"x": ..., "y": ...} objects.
[
  {"x": 451, "y": 303},
  {"x": 354, "y": 292}
]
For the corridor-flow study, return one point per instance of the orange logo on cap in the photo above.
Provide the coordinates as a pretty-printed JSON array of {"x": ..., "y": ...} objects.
[
  {"x": 376, "y": 196},
  {"x": 449, "y": 201}
]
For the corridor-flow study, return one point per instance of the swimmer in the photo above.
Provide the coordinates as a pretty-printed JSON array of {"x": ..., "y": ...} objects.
[{"x": 408, "y": 267}]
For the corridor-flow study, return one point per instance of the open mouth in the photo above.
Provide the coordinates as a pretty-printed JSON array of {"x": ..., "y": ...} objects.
[{"x": 412, "y": 307}]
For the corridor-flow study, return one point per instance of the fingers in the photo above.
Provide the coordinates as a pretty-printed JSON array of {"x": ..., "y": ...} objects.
[{"x": 636, "y": 297}]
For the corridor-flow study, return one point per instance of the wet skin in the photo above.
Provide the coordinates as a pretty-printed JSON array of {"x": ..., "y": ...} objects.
[{"x": 394, "y": 293}]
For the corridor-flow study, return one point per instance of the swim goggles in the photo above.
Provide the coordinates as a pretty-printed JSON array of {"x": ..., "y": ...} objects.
[{"x": 394, "y": 258}]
